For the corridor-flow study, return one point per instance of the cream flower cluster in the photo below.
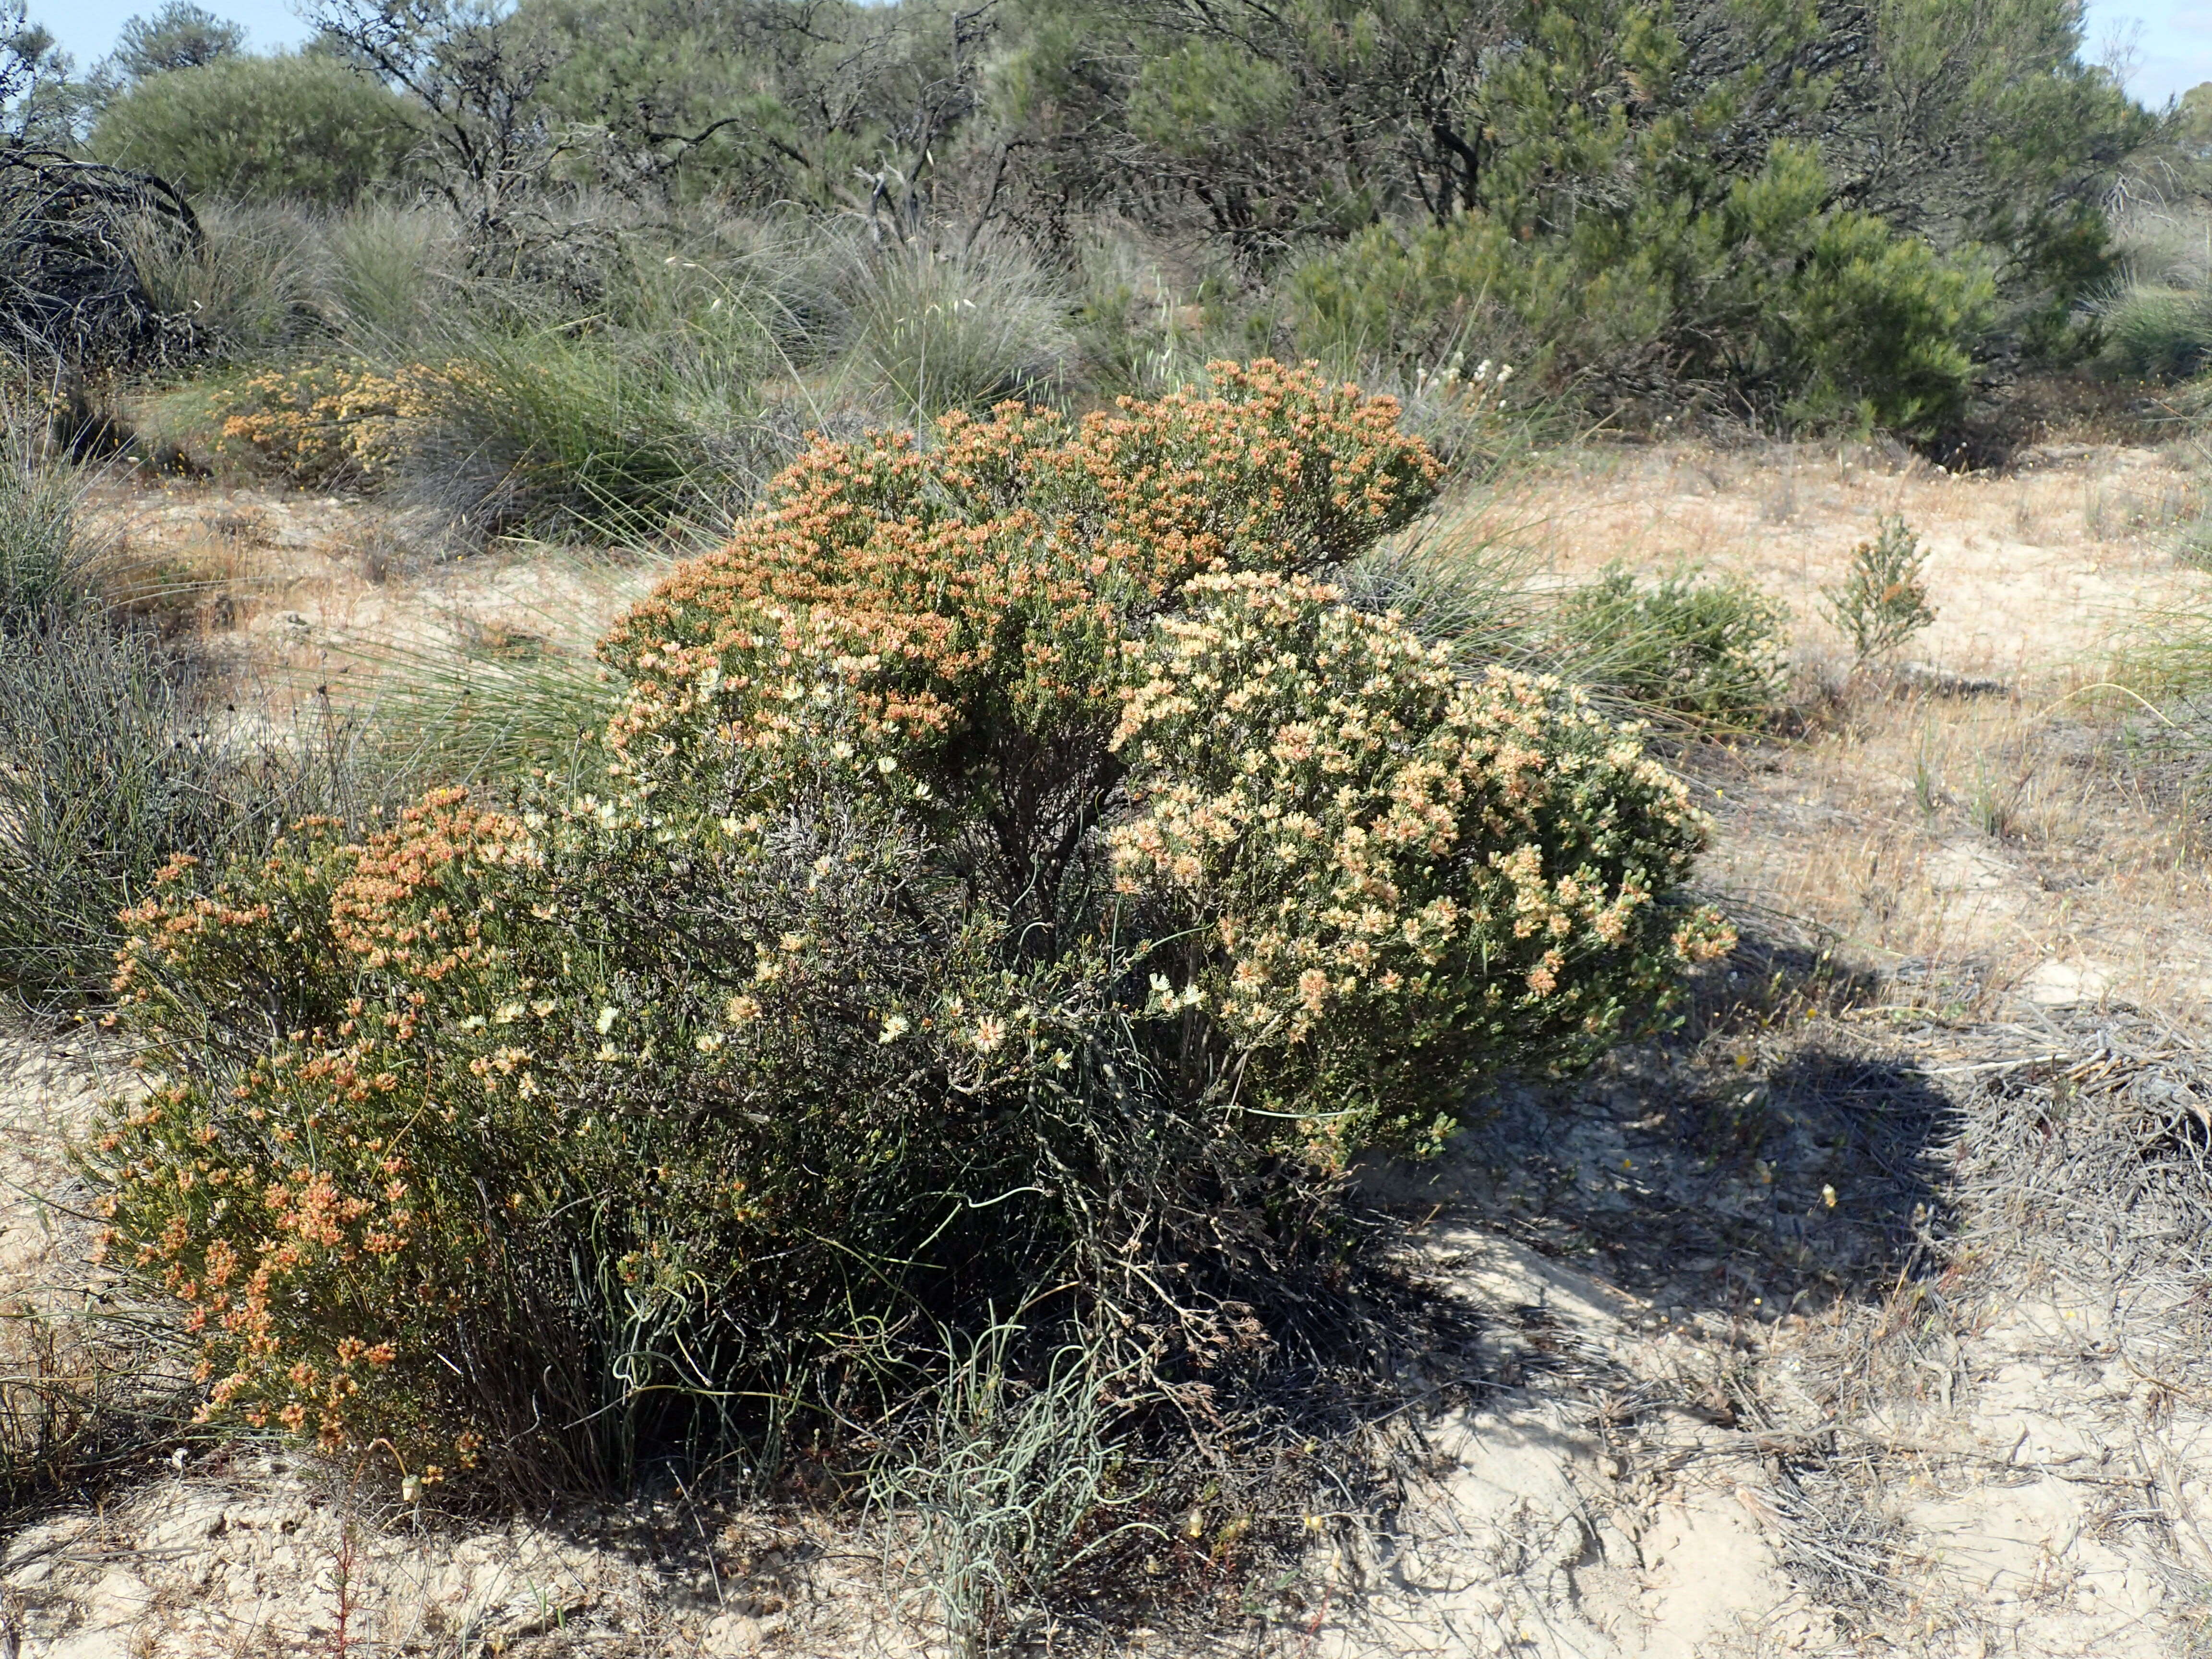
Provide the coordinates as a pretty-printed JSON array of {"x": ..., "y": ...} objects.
[{"x": 1362, "y": 832}]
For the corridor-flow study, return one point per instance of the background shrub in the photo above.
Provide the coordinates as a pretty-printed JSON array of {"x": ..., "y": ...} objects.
[
  {"x": 919, "y": 929},
  {"x": 1825, "y": 313},
  {"x": 295, "y": 127},
  {"x": 1708, "y": 650},
  {"x": 323, "y": 423}
]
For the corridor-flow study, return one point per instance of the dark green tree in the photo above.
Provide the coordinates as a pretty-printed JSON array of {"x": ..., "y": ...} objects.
[{"x": 820, "y": 101}]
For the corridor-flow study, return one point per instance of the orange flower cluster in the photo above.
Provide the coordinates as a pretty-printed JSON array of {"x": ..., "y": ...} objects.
[
  {"x": 929, "y": 601},
  {"x": 296, "y": 1185}
]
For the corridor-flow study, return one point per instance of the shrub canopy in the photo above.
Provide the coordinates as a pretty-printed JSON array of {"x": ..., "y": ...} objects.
[
  {"x": 306, "y": 126},
  {"x": 1013, "y": 878}
]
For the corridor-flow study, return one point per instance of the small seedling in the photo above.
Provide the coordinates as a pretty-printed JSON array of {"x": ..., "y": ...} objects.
[{"x": 1881, "y": 601}]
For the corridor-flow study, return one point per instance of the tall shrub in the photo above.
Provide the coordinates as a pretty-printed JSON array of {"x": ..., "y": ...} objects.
[
  {"x": 300, "y": 126},
  {"x": 1014, "y": 879}
]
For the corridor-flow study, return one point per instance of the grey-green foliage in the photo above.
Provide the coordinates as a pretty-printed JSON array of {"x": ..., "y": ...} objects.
[
  {"x": 2156, "y": 318},
  {"x": 929, "y": 329},
  {"x": 1707, "y": 650},
  {"x": 107, "y": 767},
  {"x": 389, "y": 265},
  {"x": 1010, "y": 1484},
  {"x": 176, "y": 35},
  {"x": 303, "y": 126},
  {"x": 2158, "y": 330},
  {"x": 1881, "y": 601},
  {"x": 43, "y": 102}
]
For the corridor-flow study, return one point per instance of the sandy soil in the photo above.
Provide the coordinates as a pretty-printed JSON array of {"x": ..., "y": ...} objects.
[
  {"x": 2031, "y": 571},
  {"x": 1865, "y": 1314}
]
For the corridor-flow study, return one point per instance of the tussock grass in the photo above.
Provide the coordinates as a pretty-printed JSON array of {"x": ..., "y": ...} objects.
[
  {"x": 107, "y": 771},
  {"x": 253, "y": 288},
  {"x": 1010, "y": 1486},
  {"x": 47, "y": 567},
  {"x": 1689, "y": 652},
  {"x": 931, "y": 328},
  {"x": 555, "y": 431}
]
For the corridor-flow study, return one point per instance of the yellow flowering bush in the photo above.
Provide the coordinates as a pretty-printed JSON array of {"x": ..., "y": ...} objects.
[
  {"x": 1012, "y": 879},
  {"x": 325, "y": 423},
  {"x": 1383, "y": 879}
]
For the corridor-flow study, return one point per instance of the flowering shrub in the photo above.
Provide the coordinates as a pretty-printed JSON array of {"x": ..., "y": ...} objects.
[
  {"x": 1387, "y": 878},
  {"x": 957, "y": 619},
  {"x": 1011, "y": 878},
  {"x": 327, "y": 423}
]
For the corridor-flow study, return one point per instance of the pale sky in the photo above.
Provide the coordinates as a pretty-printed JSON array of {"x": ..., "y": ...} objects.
[
  {"x": 2165, "y": 45},
  {"x": 87, "y": 28}
]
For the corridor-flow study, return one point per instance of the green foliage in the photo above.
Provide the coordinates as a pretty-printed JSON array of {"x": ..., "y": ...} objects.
[
  {"x": 1875, "y": 327},
  {"x": 1706, "y": 650},
  {"x": 299, "y": 126},
  {"x": 918, "y": 931},
  {"x": 610, "y": 435},
  {"x": 1881, "y": 601},
  {"x": 514, "y": 405},
  {"x": 1827, "y": 313},
  {"x": 178, "y": 35}
]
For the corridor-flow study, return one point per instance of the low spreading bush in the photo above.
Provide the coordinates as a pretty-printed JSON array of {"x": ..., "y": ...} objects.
[
  {"x": 322, "y": 423},
  {"x": 1708, "y": 650},
  {"x": 1014, "y": 877}
]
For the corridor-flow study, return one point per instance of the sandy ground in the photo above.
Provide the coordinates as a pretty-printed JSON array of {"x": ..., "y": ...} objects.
[
  {"x": 1864, "y": 1315},
  {"x": 2031, "y": 571}
]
